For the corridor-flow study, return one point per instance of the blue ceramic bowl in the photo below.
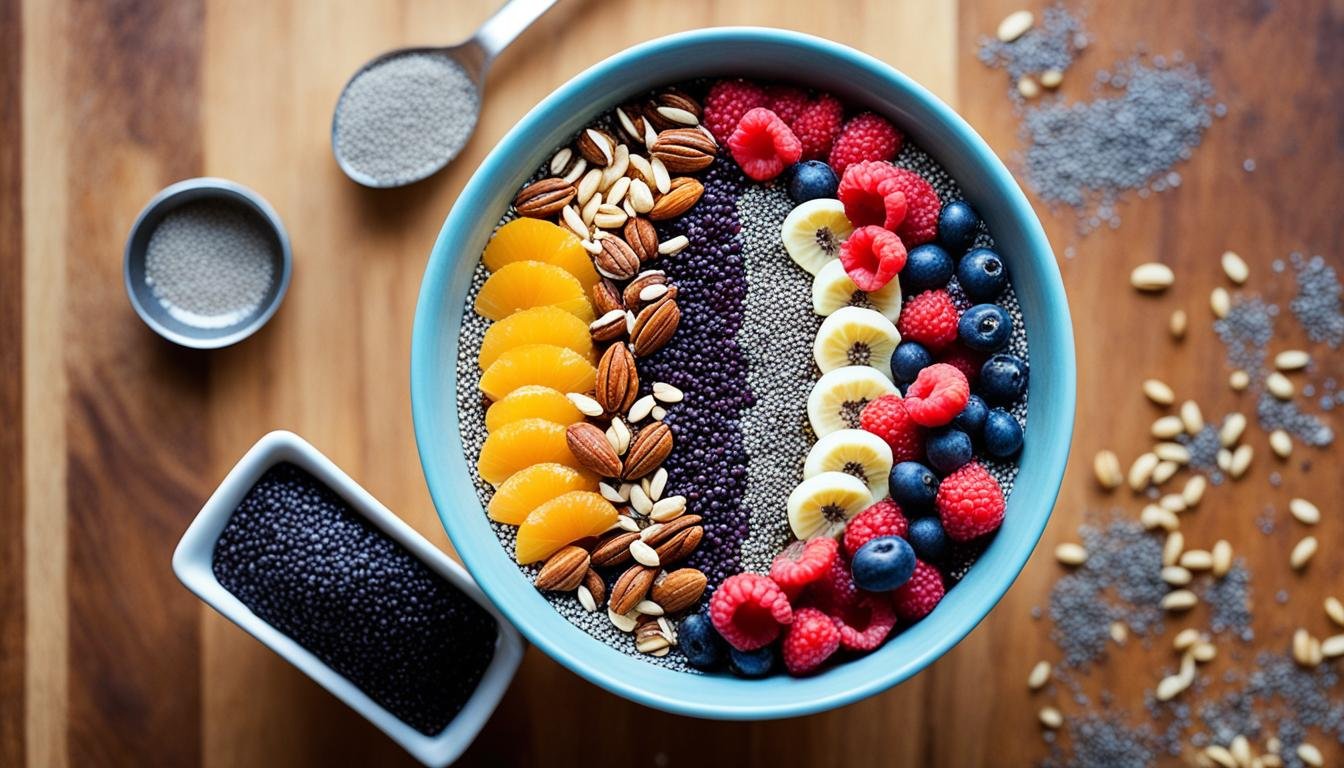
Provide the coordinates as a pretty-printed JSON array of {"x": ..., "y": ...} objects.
[{"x": 861, "y": 79}]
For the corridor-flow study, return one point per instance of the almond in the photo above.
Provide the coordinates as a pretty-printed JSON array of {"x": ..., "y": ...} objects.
[
  {"x": 608, "y": 328},
  {"x": 684, "y": 150},
  {"x": 606, "y": 297},
  {"x": 648, "y": 450},
  {"x": 589, "y": 445},
  {"x": 630, "y": 588},
  {"x": 597, "y": 146},
  {"x": 679, "y": 590},
  {"x": 617, "y": 261},
  {"x": 642, "y": 238},
  {"x": 617, "y": 380},
  {"x": 655, "y": 325},
  {"x": 642, "y": 280},
  {"x": 544, "y": 199},
  {"x": 592, "y": 581},
  {"x": 564, "y": 571},
  {"x": 614, "y": 549},
  {"x": 680, "y": 546},
  {"x": 682, "y": 195}
]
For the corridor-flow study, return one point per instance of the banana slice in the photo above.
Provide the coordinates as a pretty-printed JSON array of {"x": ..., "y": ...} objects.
[
  {"x": 856, "y": 336},
  {"x": 832, "y": 289},
  {"x": 822, "y": 504},
  {"x": 813, "y": 232},
  {"x": 856, "y": 453},
  {"x": 839, "y": 396}
]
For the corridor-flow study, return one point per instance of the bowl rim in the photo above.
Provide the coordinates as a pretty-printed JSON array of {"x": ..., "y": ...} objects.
[
  {"x": 179, "y": 193},
  {"x": 193, "y": 560},
  {"x": 603, "y": 666}
]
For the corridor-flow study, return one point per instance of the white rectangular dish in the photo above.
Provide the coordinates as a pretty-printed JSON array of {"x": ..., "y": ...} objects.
[{"x": 192, "y": 562}]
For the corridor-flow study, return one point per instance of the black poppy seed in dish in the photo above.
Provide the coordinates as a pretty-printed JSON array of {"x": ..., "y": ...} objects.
[{"x": 299, "y": 557}]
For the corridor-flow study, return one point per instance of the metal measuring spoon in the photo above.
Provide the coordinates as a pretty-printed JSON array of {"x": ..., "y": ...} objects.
[{"x": 370, "y": 119}]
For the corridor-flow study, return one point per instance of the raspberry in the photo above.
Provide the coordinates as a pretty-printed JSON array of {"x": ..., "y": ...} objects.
[
  {"x": 881, "y": 519},
  {"x": 931, "y": 319},
  {"x": 865, "y": 625},
  {"x": 871, "y": 257},
  {"x": 727, "y": 102},
  {"x": 818, "y": 125},
  {"x": 868, "y": 199},
  {"x": 921, "y": 207},
  {"x": 748, "y": 609},
  {"x": 865, "y": 137},
  {"x": 970, "y": 503},
  {"x": 834, "y": 591},
  {"x": 810, "y": 640},
  {"x": 887, "y": 418},
  {"x": 787, "y": 101},
  {"x": 937, "y": 395},
  {"x": 964, "y": 359},
  {"x": 763, "y": 145},
  {"x": 914, "y": 599},
  {"x": 802, "y": 563}
]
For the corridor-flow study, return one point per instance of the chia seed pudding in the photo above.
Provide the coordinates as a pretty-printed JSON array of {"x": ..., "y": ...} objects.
[
  {"x": 801, "y": 384},
  {"x": 300, "y": 558}
]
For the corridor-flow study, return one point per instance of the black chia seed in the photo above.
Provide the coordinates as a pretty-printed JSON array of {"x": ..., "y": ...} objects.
[
  {"x": 1317, "y": 305},
  {"x": 297, "y": 555}
]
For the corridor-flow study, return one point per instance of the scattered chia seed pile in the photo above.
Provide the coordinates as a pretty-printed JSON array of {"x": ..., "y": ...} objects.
[
  {"x": 401, "y": 118},
  {"x": 1317, "y": 305},
  {"x": 1051, "y": 44},
  {"x": 1246, "y": 332},
  {"x": 210, "y": 263},
  {"x": 297, "y": 555}
]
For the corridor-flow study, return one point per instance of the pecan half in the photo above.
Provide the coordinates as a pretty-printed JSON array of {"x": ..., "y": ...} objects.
[
  {"x": 614, "y": 549},
  {"x": 617, "y": 261},
  {"x": 606, "y": 297},
  {"x": 680, "y": 546},
  {"x": 655, "y": 324},
  {"x": 665, "y": 532},
  {"x": 544, "y": 199},
  {"x": 597, "y": 146},
  {"x": 684, "y": 150},
  {"x": 590, "y": 446},
  {"x": 617, "y": 380},
  {"x": 608, "y": 328},
  {"x": 564, "y": 571},
  {"x": 631, "y": 587},
  {"x": 648, "y": 450},
  {"x": 643, "y": 280},
  {"x": 642, "y": 238},
  {"x": 596, "y": 587},
  {"x": 681, "y": 197}
]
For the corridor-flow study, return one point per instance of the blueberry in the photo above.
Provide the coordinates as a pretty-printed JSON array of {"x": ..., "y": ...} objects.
[
  {"x": 926, "y": 266},
  {"x": 908, "y": 360},
  {"x": 1003, "y": 435},
  {"x": 1003, "y": 378},
  {"x": 913, "y": 485},
  {"x": 957, "y": 225},
  {"x": 948, "y": 450},
  {"x": 697, "y": 638},
  {"x": 985, "y": 327},
  {"x": 810, "y": 180},
  {"x": 982, "y": 274},
  {"x": 928, "y": 538},
  {"x": 971, "y": 420},
  {"x": 757, "y": 663},
  {"x": 883, "y": 564}
]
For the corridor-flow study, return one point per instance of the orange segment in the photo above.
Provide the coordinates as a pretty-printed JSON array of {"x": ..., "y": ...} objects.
[
  {"x": 522, "y": 444},
  {"x": 545, "y": 364},
  {"x": 538, "y": 325},
  {"x": 560, "y": 521},
  {"x": 538, "y": 240},
  {"x": 532, "y": 401},
  {"x": 527, "y": 489},
  {"x": 527, "y": 284}
]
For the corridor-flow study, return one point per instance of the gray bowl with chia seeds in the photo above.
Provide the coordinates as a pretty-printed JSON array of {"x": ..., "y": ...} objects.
[{"x": 207, "y": 263}]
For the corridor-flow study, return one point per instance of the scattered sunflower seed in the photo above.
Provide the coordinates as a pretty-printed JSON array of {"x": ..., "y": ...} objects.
[
  {"x": 1281, "y": 443},
  {"x": 1192, "y": 417},
  {"x": 1335, "y": 610},
  {"x": 1292, "y": 360},
  {"x": 1220, "y": 301},
  {"x": 1040, "y": 675},
  {"x": 1141, "y": 471},
  {"x": 1279, "y": 386},
  {"x": 1167, "y": 427},
  {"x": 1178, "y": 324},
  {"x": 1071, "y": 554},
  {"x": 1179, "y": 600},
  {"x": 1015, "y": 25},
  {"x": 1051, "y": 718},
  {"x": 1239, "y": 380},
  {"x": 1159, "y": 392},
  {"x": 1176, "y": 576},
  {"x": 1152, "y": 277},
  {"x": 1235, "y": 268},
  {"x": 1302, "y": 552},
  {"x": 1106, "y": 466}
]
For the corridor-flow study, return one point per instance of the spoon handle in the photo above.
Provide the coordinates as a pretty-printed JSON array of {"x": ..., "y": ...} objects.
[{"x": 507, "y": 23}]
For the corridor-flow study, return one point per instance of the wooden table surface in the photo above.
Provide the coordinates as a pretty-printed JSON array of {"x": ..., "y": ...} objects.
[{"x": 112, "y": 438}]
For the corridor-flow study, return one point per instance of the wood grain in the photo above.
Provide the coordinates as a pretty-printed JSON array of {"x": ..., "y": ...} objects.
[{"x": 108, "y": 661}]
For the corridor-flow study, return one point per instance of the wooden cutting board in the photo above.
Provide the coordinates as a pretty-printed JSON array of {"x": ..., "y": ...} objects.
[{"x": 112, "y": 438}]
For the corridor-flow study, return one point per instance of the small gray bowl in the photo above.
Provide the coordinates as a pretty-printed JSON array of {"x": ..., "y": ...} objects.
[{"x": 148, "y": 306}]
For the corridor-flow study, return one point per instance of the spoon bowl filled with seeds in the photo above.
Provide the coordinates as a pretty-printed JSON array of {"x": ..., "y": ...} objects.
[{"x": 742, "y": 375}]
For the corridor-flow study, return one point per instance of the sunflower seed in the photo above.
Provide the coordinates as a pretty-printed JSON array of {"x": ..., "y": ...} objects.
[
  {"x": 1279, "y": 385},
  {"x": 1241, "y": 460},
  {"x": 602, "y": 143},
  {"x": 610, "y": 217},
  {"x": 617, "y": 168},
  {"x": 594, "y": 248},
  {"x": 1158, "y": 391},
  {"x": 1234, "y": 425},
  {"x": 627, "y": 523},
  {"x": 560, "y": 160},
  {"x": 640, "y": 410},
  {"x": 1204, "y": 652},
  {"x": 1015, "y": 25},
  {"x": 574, "y": 221},
  {"x": 610, "y": 494},
  {"x": 1184, "y": 639},
  {"x": 640, "y": 501},
  {"x": 629, "y": 321},
  {"x": 1152, "y": 277},
  {"x": 577, "y": 171},
  {"x": 1050, "y": 717},
  {"x": 1281, "y": 443},
  {"x": 1220, "y": 755},
  {"x": 1153, "y": 517},
  {"x": 1192, "y": 417},
  {"x": 1171, "y": 686},
  {"x": 673, "y": 245},
  {"x": 1220, "y": 301},
  {"x": 666, "y": 392},
  {"x": 1309, "y": 754},
  {"x": 679, "y": 115},
  {"x": 641, "y": 165},
  {"x": 1235, "y": 268},
  {"x": 625, "y": 622},
  {"x": 1224, "y": 459},
  {"x": 586, "y": 599},
  {"x": 659, "y": 413},
  {"x": 1167, "y": 427},
  {"x": 650, "y": 532},
  {"x": 662, "y": 180},
  {"x": 588, "y": 186},
  {"x": 652, "y": 292},
  {"x": 1222, "y": 557},
  {"x": 1194, "y": 489},
  {"x": 1177, "y": 324},
  {"x": 640, "y": 197},
  {"x": 619, "y": 434},
  {"x": 1071, "y": 554},
  {"x": 1171, "y": 548},
  {"x": 1040, "y": 675},
  {"x": 1106, "y": 466},
  {"x": 1302, "y": 553},
  {"x": 658, "y": 484},
  {"x": 643, "y": 553},
  {"x": 1028, "y": 87},
  {"x": 1302, "y": 647},
  {"x": 1333, "y": 646},
  {"x": 1119, "y": 632},
  {"x": 649, "y": 608},
  {"x": 1179, "y": 600},
  {"x": 1164, "y": 471},
  {"x": 1196, "y": 560},
  {"x": 650, "y": 136},
  {"x": 616, "y": 194},
  {"x": 1172, "y": 502},
  {"x": 1335, "y": 610},
  {"x": 586, "y": 405},
  {"x": 1141, "y": 471},
  {"x": 1176, "y": 576},
  {"x": 668, "y": 509},
  {"x": 1172, "y": 452},
  {"x": 1052, "y": 78}
]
